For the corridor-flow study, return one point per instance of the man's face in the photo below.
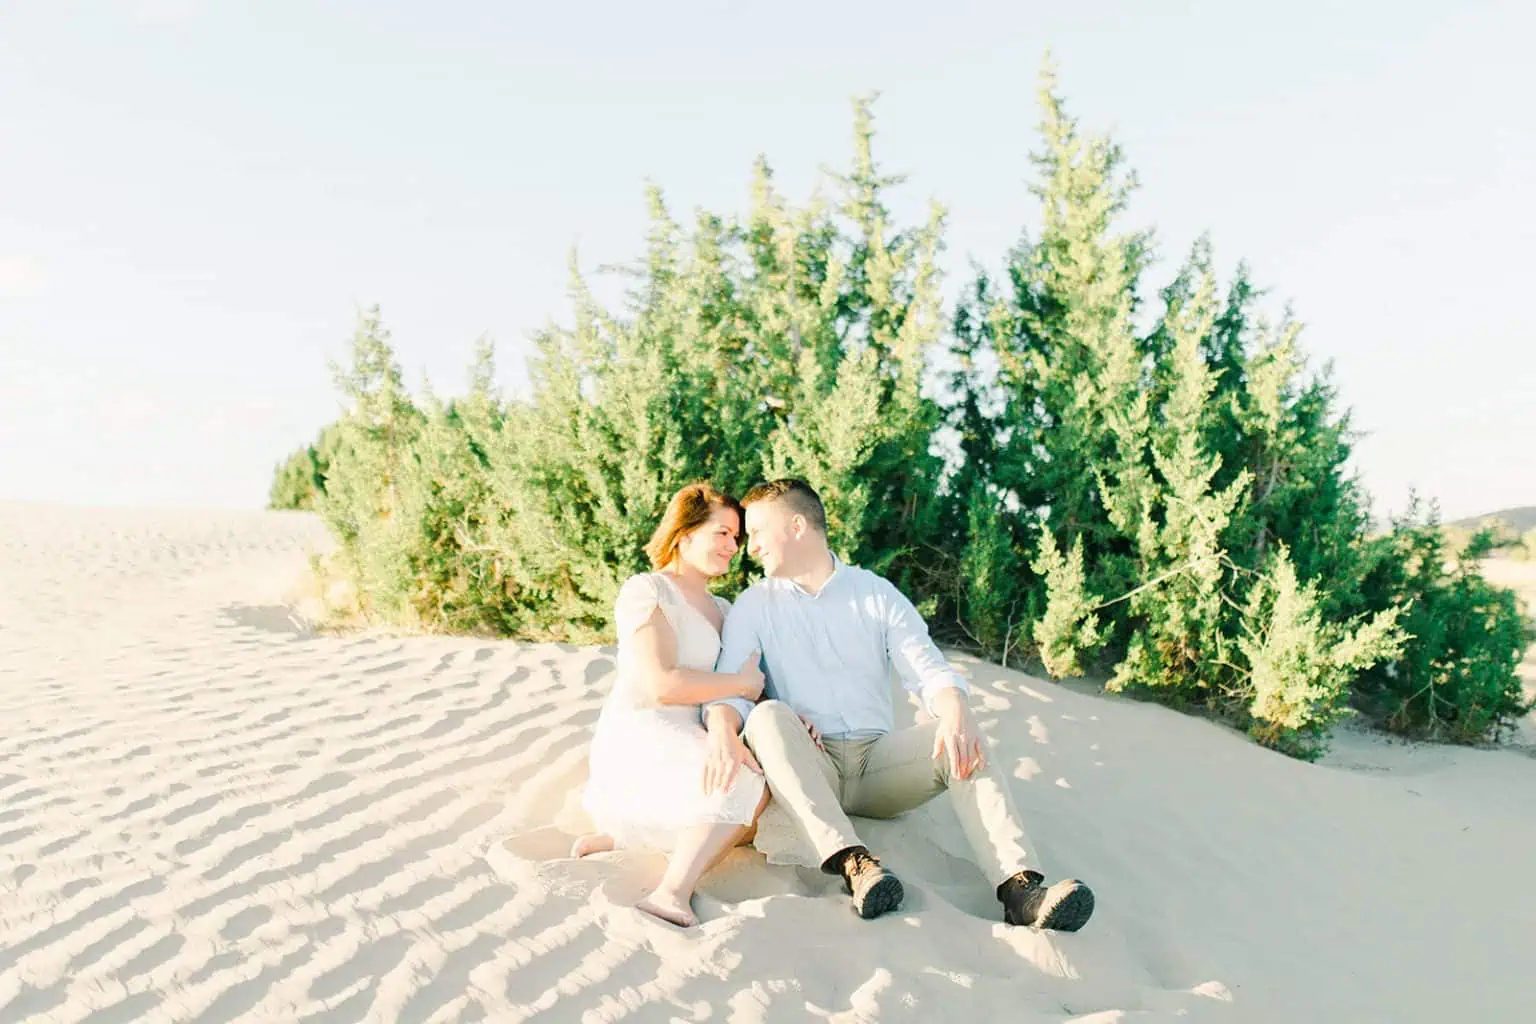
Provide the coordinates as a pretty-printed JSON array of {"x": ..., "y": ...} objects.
[{"x": 770, "y": 535}]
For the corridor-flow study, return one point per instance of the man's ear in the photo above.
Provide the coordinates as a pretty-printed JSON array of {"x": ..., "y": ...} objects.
[{"x": 798, "y": 525}]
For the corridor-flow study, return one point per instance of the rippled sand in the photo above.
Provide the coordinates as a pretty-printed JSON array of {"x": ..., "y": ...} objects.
[{"x": 209, "y": 813}]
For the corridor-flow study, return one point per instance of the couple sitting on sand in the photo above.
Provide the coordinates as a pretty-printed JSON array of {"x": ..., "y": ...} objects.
[{"x": 684, "y": 743}]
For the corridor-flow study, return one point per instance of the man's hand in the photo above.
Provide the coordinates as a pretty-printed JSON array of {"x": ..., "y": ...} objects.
[
  {"x": 726, "y": 754},
  {"x": 958, "y": 738},
  {"x": 750, "y": 677},
  {"x": 815, "y": 736}
]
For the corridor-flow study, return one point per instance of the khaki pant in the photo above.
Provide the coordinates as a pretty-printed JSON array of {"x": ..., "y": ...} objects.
[{"x": 880, "y": 777}]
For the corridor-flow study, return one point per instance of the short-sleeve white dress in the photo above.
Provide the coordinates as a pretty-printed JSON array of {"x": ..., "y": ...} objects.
[{"x": 645, "y": 783}]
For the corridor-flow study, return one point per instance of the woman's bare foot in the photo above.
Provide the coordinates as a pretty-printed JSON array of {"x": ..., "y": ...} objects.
[
  {"x": 592, "y": 842},
  {"x": 669, "y": 908}
]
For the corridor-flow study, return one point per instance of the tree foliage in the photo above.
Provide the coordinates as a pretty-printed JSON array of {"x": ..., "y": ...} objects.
[{"x": 1147, "y": 485}]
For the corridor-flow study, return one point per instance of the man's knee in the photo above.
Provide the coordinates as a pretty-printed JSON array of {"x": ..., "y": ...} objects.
[
  {"x": 771, "y": 716},
  {"x": 987, "y": 768}
]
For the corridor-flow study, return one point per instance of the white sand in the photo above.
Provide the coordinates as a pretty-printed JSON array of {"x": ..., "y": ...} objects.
[{"x": 207, "y": 813}]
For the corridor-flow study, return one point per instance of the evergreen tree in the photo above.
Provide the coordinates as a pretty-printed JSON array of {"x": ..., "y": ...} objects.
[
  {"x": 1180, "y": 524},
  {"x": 1172, "y": 508},
  {"x": 597, "y": 452},
  {"x": 1171, "y": 463},
  {"x": 1299, "y": 666},
  {"x": 1069, "y": 630},
  {"x": 362, "y": 496},
  {"x": 1458, "y": 674},
  {"x": 446, "y": 513},
  {"x": 1069, "y": 388},
  {"x": 298, "y": 481},
  {"x": 858, "y": 426}
]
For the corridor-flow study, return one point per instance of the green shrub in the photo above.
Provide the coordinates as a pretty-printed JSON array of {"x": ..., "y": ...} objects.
[
  {"x": 1167, "y": 505},
  {"x": 1457, "y": 675}
]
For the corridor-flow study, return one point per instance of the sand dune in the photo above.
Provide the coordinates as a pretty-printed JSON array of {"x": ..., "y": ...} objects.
[{"x": 209, "y": 813}]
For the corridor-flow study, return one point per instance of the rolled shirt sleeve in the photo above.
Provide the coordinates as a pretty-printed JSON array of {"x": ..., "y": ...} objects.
[{"x": 922, "y": 668}]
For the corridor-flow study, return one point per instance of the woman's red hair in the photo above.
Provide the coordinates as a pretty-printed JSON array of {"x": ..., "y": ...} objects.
[{"x": 689, "y": 509}]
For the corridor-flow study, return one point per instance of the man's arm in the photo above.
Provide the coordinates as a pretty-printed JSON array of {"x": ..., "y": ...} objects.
[
  {"x": 944, "y": 691},
  {"x": 923, "y": 669},
  {"x": 738, "y": 639}
]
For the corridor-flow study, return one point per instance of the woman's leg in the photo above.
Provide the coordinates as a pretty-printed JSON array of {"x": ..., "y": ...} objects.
[
  {"x": 749, "y": 832},
  {"x": 592, "y": 842},
  {"x": 698, "y": 850}
]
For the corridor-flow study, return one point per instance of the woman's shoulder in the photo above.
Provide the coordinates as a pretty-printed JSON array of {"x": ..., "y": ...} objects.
[
  {"x": 642, "y": 581},
  {"x": 638, "y": 596}
]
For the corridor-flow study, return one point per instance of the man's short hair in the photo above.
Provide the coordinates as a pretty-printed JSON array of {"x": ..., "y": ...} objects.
[{"x": 798, "y": 496}]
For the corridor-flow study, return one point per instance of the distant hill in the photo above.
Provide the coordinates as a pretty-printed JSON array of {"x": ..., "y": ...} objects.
[{"x": 1521, "y": 519}]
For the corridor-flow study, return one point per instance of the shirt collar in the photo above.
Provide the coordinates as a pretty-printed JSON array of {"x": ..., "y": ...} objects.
[{"x": 837, "y": 570}]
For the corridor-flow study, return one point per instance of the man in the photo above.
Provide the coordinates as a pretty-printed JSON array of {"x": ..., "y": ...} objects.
[{"x": 825, "y": 734}]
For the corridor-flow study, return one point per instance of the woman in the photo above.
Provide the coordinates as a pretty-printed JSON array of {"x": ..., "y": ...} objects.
[{"x": 646, "y": 785}]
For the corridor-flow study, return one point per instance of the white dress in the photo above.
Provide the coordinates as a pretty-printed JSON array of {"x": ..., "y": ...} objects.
[{"x": 646, "y": 781}]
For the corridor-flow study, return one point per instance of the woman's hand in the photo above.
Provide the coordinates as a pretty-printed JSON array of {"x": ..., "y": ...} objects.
[
  {"x": 727, "y": 753},
  {"x": 751, "y": 676}
]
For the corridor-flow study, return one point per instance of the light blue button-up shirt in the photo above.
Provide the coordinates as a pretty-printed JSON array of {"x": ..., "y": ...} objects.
[{"x": 829, "y": 655}]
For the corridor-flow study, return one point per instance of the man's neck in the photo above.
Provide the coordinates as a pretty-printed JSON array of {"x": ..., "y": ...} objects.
[{"x": 815, "y": 577}]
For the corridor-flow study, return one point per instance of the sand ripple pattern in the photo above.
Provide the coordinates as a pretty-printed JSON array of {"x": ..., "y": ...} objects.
[{"x": 208, "y": 813}]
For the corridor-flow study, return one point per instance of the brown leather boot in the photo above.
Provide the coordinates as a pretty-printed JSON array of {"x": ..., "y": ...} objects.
[
  {"x": 1063, "y": 907},
  {"x": 873, "y": 888}
]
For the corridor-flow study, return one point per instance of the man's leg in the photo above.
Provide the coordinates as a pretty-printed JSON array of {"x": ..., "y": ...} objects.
[
  {"x": 900, "y": 773},
  {"x": 803, "y": 777},
  {"x": 806, "y": 780}
]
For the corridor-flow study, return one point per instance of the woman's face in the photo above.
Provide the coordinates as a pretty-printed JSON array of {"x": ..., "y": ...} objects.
[{"x": 710, "y": 547}]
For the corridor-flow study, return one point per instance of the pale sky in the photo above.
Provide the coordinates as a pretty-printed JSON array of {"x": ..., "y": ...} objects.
[{"x": 196, "y": 196}]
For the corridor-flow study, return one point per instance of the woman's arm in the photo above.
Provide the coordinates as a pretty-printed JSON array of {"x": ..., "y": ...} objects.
[{"x": 654, "y": 648}]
